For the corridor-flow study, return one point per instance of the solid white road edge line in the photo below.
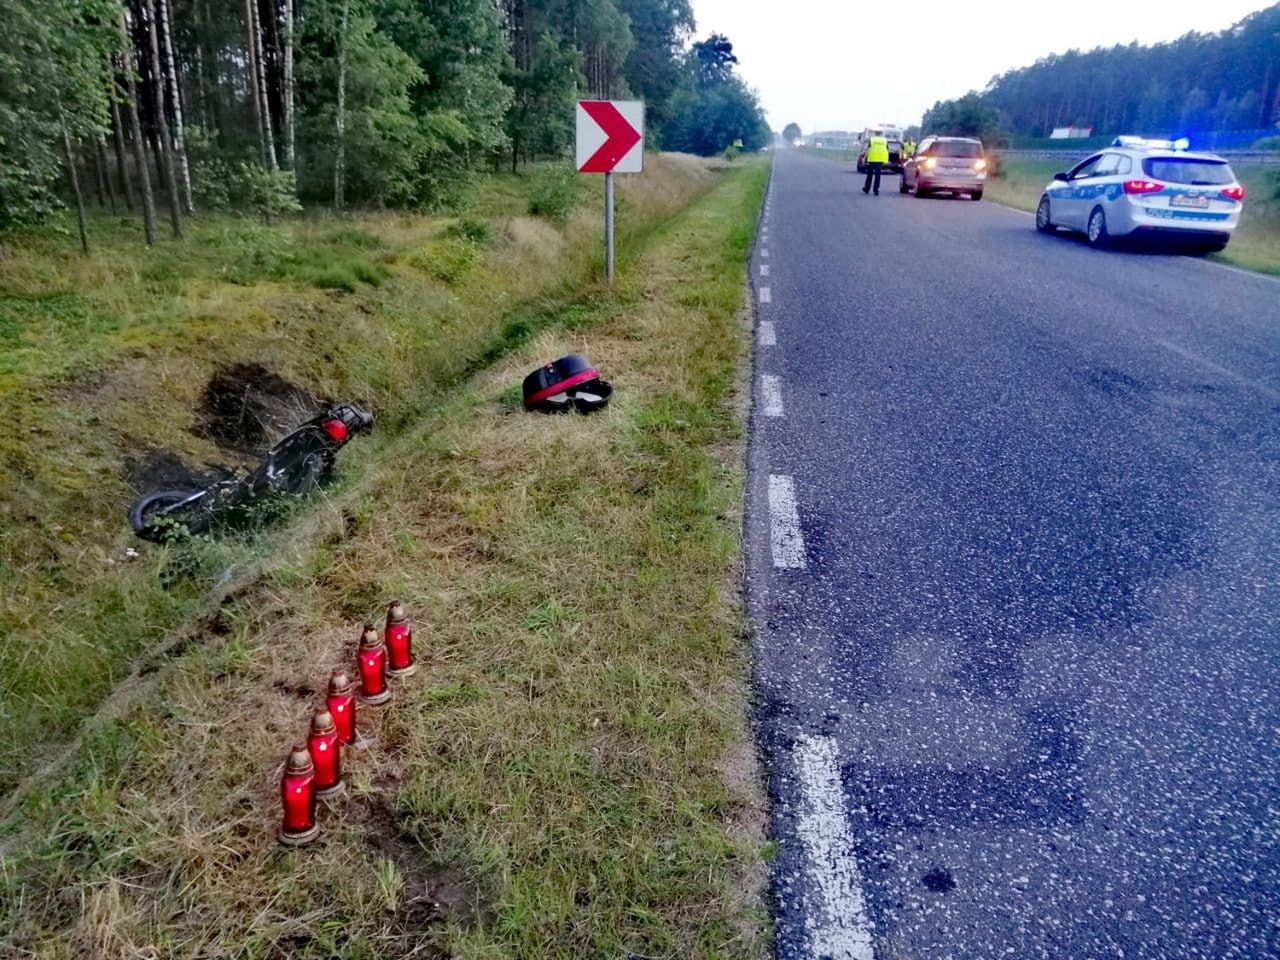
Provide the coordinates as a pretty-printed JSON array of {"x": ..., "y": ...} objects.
[
  {"x": 768, "y": 336},
  {"x": 771, "y": 391},
  {"x": 766, "y": 295},
  {"x": 836, "y": 918},
  {"x": 786, "y": 540}
]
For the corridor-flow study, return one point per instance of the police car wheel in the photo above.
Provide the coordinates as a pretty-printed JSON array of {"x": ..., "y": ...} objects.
[
  {"x": 1097, "y": 232},
  {"x": 1043, "y": 214}
]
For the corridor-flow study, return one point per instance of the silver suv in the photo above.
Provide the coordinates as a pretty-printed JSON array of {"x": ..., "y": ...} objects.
[{"x": 954, "y": 164}]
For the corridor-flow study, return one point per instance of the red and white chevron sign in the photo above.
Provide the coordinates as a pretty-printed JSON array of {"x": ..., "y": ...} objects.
[{"x": 610, "y": 136}]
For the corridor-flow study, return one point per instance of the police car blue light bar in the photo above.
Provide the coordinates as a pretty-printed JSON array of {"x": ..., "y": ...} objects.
[{"x": 1144, "y": 143}]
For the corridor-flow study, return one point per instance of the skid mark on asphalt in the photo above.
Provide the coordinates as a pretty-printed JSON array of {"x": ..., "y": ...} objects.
[
  {"x": 1217, "y": 368},
  {"x": 836, "y": 920},
  {"x": 771, "y": 388},
  {"x": 768, "y": 336},
  {"x": 786, "y": 540}
]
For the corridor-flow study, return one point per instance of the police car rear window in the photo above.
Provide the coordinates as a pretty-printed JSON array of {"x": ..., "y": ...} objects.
[
  {"x": 957, "y": 148},
  {"x": 1208, "y": 173}
]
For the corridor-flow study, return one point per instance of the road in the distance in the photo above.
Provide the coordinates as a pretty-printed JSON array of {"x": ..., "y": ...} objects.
[{"x": 1014, "y": 563}]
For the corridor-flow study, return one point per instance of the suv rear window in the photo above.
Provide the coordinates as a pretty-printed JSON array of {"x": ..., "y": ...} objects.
[
  {"x": 957, "y": 148},
  {"x": 1204, "y": 173}
]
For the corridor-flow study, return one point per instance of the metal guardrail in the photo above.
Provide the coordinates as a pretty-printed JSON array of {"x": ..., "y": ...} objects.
[{"x": 1235, "y": 156}]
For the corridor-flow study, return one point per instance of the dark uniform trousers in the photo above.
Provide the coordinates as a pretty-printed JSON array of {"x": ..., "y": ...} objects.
[{"x": 873, "y": 171}]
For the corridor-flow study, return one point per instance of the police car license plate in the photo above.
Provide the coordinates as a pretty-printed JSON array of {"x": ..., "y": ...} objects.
[{"x": 1199, "y": 203}]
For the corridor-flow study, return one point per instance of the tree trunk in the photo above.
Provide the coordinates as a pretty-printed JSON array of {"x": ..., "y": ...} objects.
[
  {"x": 202, "y": 82},
  {"x": 289, "y": 160},
  {"x": 258, "y": 80},
  {"x": 75, "y": 179},
  {"x": 105, "y": 185},
  {"x": 340, "y": 161},
  {"x": 175, "y": 97},
  {"x": 255, "y": 96},
  {"x": 94, "y": 168},
  {"x": 212, "y": 76},
  {"x": 135, "y": 131},
  {"x": 165, "y": 155},
  {"x": 117, "y": 129}
]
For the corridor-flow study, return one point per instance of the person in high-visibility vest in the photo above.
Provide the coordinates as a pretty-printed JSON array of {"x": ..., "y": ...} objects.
[
  {"x": 877, "y": 157},
  {"x": 908, "y": 150}
]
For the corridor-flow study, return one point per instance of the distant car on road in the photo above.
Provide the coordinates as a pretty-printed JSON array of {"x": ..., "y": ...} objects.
[
  {"x": 1142, "y": 187},
  {"x": 954, "y": 164}
]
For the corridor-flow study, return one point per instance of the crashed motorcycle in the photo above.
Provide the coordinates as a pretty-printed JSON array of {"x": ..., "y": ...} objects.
[{"x": 295, "y": 466}]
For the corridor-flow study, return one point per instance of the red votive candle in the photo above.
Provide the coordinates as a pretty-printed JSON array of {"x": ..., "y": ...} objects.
[
  {"x": 297, "y": 795},
  {"x": 326, "y": 754},
  {"x": 342, "y": 706},
  {"x": 372, "y": 658},
  {"x": 399, "y": 639}
]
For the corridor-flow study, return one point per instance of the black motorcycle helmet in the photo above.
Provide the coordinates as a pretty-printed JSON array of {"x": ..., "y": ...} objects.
[{"x": 570, "y": 383}]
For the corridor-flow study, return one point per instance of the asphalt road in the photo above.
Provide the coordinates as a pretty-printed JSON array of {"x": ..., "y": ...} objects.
[{"x": 1014, "y": 563}]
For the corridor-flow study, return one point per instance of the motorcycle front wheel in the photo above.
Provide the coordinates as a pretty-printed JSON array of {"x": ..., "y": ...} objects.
[{"x": 162, "y": 516}]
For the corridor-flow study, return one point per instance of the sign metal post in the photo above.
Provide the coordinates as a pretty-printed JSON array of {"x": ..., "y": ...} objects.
[
  {"x": 610, "y": 139},
  {"x": 608, "y": 227}
]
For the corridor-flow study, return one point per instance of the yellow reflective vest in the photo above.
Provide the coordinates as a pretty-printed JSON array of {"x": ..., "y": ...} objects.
[{"x": 878, "y": 150}]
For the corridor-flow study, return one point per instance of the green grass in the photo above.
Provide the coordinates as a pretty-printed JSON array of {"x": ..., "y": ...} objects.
[
  {"x": 1021, "y": 182},
  {"x": 1255, "y": 246},
  {"x": 106, "y": 360},
  {"x": 569, "y": 775}
]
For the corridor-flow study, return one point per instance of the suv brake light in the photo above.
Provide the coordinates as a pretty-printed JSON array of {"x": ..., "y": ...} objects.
[
  {"x": 1142, "y": 186},
  {"x": 1233, "y": 193}
]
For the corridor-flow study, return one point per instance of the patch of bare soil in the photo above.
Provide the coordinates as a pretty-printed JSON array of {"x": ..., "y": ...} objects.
[
  {"x": 247, "y": 407},
  {"x": 160, "y": 469},
  {"x": 431, "y": 893}
]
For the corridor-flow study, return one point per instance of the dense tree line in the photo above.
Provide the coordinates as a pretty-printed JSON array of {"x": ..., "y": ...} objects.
[
  {"x": 184, "y": 105},
  {"x": 1198, "y": 83}
]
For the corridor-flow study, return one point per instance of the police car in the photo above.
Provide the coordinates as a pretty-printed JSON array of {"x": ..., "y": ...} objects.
[{"x": 1140, "y": 187}]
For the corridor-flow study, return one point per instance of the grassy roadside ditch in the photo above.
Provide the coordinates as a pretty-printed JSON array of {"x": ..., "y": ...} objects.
[
  {"x": 569, "y": 774},
  {"x": 142, "y": 369}
]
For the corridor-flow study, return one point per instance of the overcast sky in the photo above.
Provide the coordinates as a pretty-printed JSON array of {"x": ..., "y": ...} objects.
[{"x": 831, "y": 65}]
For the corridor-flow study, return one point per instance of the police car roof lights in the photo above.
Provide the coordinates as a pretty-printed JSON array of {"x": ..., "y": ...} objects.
[{"x": 1143, "y": 143}]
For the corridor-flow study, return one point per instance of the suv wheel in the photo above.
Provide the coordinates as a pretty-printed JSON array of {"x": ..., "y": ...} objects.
[
  {"x": 1097, "y": 231},
  {"x": 1043, "y": 222}
]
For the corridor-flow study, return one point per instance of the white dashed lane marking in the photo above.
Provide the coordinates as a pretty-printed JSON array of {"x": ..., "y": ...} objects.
[
  {"x": 786, "y": 540},
  {"x": 764, "y": 253},
  {"x": 764, "y": 269},
  {"x": 768, "y": 336},
  {"x": 771, "y": 395},
  {"x": 836, "y": 912},
  {"x": 766, "y": 295}
]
